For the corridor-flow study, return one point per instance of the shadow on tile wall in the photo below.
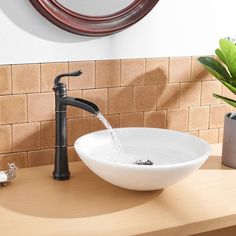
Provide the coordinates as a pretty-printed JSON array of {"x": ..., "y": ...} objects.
[{"x": 173, "y": 93}]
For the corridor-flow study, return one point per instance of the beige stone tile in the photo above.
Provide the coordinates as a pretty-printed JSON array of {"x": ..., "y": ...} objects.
[
  {"x": 26, "y": 78},
  {"x": 199, "y": 73},
  {"x": 78, "y": 127},
  {"x": 131, "y": 119},
  {"x": 40, "y": 157},
  {"x": 47, "y": 134},
  {"x": 168, "y": 96},
  {"x": 132, "y": 72},
  {"x": 227, "y": 93},
  {"x": 210, "y": 135},
  {"x": 156, "y": 119},
  {"x": 48, "y": 73},
  {"x": 87, "y": 79},
  {"x": 20, "y": 159},
  {"x": 6, "y": 139},
  {"x": 229, "y": 107},
  {"x": 114, "y": 120},
  {"x": 13, "y": 109},
  {"x": 107, "y": 73},
  {"x": 144, "y": 98},
  {"x": 190, "y": 94},
  {"x": 26, "y": 136},
  {"x": 208, "y": 88},
  {"x": 198, "y": 118},
  {"x": 179, "y": 69},
  {"x": 5, "y": 80},
  {"x": 177, "y": 119},
  {"x": 156, "y": 70},
  {"x": 120, "y": 100},
  {"x": 72, "y": 155},
  {"x": 99, "y": 97},
  {"x": 41, "y": 106},
  {"x": 221, "y": 135},
  {"x": 74, "y": 112},
  {"x": 217, "y": 113}
]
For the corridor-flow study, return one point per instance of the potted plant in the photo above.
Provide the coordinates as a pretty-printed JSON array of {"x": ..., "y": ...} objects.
[{"x": 224, "y": 70}]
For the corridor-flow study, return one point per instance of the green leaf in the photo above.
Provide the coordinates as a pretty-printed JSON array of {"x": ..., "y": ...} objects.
[
  {"x": 221, "y": 55},
  {"x": 229, "y": 86},
  {"x": 218, "y": 71},
  {"x": 225, "y": 99},
  {"x": 215, "y": 68},
  {"x": 228, "y": 49}
]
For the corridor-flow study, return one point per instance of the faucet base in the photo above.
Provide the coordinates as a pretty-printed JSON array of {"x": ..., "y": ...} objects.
[
  {"x": 61, "y": 171},
  {"x": 61, "y": 178}
]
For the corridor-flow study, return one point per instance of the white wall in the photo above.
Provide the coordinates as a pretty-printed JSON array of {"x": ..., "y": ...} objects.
[{"x": 173, "y": 28}]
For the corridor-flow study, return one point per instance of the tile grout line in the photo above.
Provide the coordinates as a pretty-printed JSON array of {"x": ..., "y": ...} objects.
[
  {"x": 40, "y": 78},
  {"x": 95, "y": 74},
  {"x": 27, "y": 158},
  {"x": 121, "y": 68},
  {"x": 108, "y": 101},
  {"x": 11, "y": 138},
  {"x": 188, "y": 121},
  {"x": 209, "y": 117},
  {"x": 168, "y": 71},
  {"x": 68, "y": 70},
  {"x": 11, "y": 72}
]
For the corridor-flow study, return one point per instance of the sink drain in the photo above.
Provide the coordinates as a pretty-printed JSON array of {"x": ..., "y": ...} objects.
[{"x": 145, "y": 163}]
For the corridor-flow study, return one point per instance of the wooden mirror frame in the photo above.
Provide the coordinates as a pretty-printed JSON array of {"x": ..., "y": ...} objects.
[{"x": 93, "y": 25}]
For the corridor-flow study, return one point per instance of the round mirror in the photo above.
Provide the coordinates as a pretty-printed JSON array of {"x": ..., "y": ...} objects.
[
  {"x": 95, "y": 7},
  {"x": 94, "y": 17}
]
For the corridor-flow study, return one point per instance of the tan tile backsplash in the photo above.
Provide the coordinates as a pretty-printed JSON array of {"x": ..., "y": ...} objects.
[
  {"x": 173, "y": 93},
  {"x": 132, "y": 72},
  {"x": 40, "y": 106},
  {"x": 13, "y": 109},
  {"x": 49, "y": 71},
  {"x": 87, "y": 79},
  {"x": 208, "y": 88},
  {"x": 134, "y": 119},
  {"x": 99, "y": 97},
  {"x": 120, "y": 100},
  {"x": 177, "y": 119},
  {"x": 179, "y": 69},
  {"x": 26, "y": 136},
  {"x": 144, "y": 98},
  {"x": 199, "y": 118},
  {"x": 156, "y": 71},
  {"x": 198, "y": 73},
  {"x": 26, "y": 78},
  {"x": 168, "y": 96},
  {"x": 190, "y": 94},
  {"x": 155, "y": 119},
  {"x": 6, "y": 139},
  {"x": 5, "y": 80},
  {"x": 78, "y": 127},
  {"x": 108, "y": 73}
]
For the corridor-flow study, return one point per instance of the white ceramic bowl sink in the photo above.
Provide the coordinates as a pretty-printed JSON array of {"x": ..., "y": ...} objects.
[{"x": 175, "y": 155}]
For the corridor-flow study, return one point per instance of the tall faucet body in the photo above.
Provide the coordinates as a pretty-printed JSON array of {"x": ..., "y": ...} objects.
[{"x": 61, "y": 166}]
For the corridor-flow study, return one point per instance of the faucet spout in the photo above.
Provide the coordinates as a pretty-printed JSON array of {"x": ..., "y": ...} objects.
[
  {"x": 81, "y": 103},
  {"x": 61, "y": 166}
]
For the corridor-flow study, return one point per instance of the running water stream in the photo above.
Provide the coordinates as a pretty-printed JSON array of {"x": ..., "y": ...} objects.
[
  {"x": 117, "y": 143},
  {"x": 113, "y": 134}
]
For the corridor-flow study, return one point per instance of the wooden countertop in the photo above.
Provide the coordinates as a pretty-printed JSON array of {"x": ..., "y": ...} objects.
[{"x": 34, "y": 204}]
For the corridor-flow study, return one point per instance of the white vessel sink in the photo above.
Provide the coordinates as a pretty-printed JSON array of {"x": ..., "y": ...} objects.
[{"x": 175, "y": 155}]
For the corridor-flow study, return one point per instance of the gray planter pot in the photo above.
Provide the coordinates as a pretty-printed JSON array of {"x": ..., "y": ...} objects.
[{"x": 229, "y": 140}]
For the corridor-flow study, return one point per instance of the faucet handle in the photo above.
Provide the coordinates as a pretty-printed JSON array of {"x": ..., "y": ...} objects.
[{"x": 57, "y": 79}]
